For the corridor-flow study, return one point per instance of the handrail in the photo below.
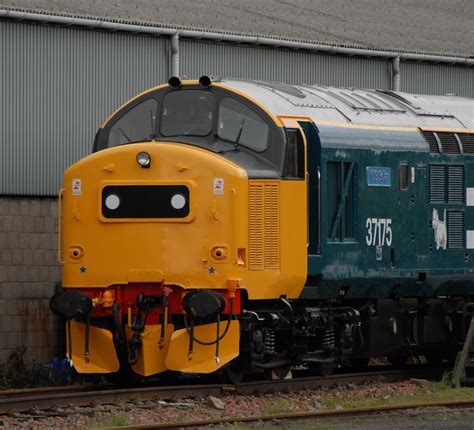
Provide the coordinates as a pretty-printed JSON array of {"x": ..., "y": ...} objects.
[{"x": 60, "y": 197}]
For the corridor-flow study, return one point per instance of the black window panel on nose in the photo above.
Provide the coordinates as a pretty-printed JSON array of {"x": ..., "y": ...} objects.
[{"x": 145, "y": 201}]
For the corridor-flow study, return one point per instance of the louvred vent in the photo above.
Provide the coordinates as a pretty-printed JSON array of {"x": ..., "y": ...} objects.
[
  {"x": 455, "y": 229},
  {"x": 467, "y": 140},
  {"x": 456, "y": 184},
  {"x": 449, "y": 143},
  {"x": 431, "y": 139},
  {"x": 264, "y": 226},
  {"x": 437, "y": 184}
]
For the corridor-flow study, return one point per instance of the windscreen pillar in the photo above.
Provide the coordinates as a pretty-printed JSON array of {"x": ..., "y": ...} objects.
[{"x": 174, "y": 55}]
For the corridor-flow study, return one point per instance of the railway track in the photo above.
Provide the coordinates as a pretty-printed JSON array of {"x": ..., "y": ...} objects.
[
  {"x": 47, "y": 398},
  {"x": 315, "y": 415}
]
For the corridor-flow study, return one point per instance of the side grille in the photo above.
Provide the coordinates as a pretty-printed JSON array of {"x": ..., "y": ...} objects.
[
  {"x": 449, "y": 143},
  {"x": 437, "y": 184},
  {"x": 455, "y": 184},
  {"x": 455, "y": 229},
  {"x": 467, "y": 141},
  {"x": 432, "y": 141},
  {"x": 264, "y": 226}
]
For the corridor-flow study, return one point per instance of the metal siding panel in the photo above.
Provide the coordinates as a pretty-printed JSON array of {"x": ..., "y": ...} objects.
[
  {"x": 57, "y": 85},
  {"x": 293, "y": 67},
  {"x": 437, "y": 79}
]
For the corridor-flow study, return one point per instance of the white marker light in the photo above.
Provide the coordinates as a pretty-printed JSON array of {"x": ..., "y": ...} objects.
[
  {"x": 144, "y": 159},
  {"x": 112, "y": 202},
  {"x": 178, "y": 201}
]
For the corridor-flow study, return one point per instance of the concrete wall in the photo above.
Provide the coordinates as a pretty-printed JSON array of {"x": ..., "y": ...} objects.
[{"x": 28, "y": 274}]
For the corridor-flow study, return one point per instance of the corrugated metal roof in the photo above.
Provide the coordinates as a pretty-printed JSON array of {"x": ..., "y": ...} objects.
[{"x": 425, "y": 26}]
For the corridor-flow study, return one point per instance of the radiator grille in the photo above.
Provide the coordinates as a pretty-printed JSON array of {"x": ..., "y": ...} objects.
[
  {"x": 455, "y": 229},
  {"x": 437, "y": 184},
  {"x": 264, "y": 226},
  {"x": 455, "y": 184},
  {"x": 449, "y": 143},
  {"x": 467, "y": 141},
  {"x": 431, "y": 139}
]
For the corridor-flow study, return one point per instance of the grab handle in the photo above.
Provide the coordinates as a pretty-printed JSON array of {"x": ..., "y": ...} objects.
[{"x": 60, "y": 197}]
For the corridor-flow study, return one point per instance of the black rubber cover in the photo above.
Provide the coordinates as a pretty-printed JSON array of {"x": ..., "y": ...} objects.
[
  {"x": 204, "y": 303},
  {"x": 70, "y": 304}
]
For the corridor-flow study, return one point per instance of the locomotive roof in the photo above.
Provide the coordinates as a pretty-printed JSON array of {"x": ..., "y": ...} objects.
[
  {"x": 360, "y": 106},
  {"x": 422, "y": 26}
]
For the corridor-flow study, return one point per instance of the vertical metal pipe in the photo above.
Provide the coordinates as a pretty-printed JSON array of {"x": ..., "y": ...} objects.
[
  {"x": 396, "y": 74},
  {"x": 174, "y": 55}
]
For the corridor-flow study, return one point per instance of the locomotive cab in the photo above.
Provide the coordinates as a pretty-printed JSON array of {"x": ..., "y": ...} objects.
[{"x": 191, "y": 188}]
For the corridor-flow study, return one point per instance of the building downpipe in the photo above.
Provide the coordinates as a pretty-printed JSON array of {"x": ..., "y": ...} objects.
[
  {"x": 396, "y": 74},
  {"x": 174, "y": 55}
]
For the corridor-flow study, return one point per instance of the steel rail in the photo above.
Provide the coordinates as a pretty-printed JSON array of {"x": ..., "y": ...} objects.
[
  {"x": 24, "y": 400},
  {"x": 344, "y": 413},
  {"x": 29, "y": 392}
]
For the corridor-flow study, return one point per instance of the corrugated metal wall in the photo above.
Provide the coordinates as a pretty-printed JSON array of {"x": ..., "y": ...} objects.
[
  {"x": 294, "y": 67},
  {"x": 56, "y": 86},
  {"x": 437, "y": 79}
]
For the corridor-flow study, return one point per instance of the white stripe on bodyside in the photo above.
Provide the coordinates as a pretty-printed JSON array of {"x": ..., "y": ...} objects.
[
  {"x": 470, "y": 196},
  {"x": 470, "y": 239}
]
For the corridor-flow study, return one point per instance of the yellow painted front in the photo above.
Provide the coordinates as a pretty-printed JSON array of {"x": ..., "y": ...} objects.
[
  {"x": 102, "y": 356},
  {"x": 203, "y": 359},
  {"x": 151, "y": 358},
  {"x": 134, "y": 250}
]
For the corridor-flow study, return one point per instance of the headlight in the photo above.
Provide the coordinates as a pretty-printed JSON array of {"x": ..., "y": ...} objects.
[
  {"x": 112, "y": 201},
  {"x": 178, "y": 201},
  {"x": 144, "y": 159}
]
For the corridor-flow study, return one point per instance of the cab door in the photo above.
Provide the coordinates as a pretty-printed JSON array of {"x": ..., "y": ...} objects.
[{"x": 312, "y": 152}]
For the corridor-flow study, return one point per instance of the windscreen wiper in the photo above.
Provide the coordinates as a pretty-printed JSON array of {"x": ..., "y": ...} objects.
[
  {"x": 126, "y": 137},
  {"x": 236, "y": 142}
]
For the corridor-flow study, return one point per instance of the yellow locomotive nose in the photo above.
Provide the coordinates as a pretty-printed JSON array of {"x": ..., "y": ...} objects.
[{"x": 176, "y": 222}]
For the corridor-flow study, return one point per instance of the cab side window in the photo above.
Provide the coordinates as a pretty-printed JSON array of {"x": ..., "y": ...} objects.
[{"x": 294, "y": 163}]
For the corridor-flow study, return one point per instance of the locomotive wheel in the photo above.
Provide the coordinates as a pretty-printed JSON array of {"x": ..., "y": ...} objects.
[
  {"x": 233, "y": 373},
  {"x": 322, "y": 369},
  {"x": 278, "y": 373}
]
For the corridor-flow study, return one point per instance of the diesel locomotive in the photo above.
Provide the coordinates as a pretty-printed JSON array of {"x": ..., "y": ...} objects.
[{"x": 236, "y": 226}]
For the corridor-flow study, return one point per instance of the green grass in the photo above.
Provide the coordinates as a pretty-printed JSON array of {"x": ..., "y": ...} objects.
[
  {"x": 119, "y": 420},
  {"x": 280, "y": 407},
  {"x": 440, "y": 392},
  {"x": 446, "y": 381}
]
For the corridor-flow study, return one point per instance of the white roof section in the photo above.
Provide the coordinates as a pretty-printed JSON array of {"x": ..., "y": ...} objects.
[{"x": 359, "y": 106}]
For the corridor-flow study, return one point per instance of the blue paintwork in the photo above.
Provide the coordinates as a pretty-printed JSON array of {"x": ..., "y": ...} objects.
[{"x": 410, "y": 266}]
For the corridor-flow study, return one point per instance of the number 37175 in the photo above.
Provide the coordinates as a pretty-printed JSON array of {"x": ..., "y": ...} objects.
[{"x": 379, "y": 231}]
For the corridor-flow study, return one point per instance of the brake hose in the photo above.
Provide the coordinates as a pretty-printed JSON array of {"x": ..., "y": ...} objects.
[{"x": 190, "y": 328}]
